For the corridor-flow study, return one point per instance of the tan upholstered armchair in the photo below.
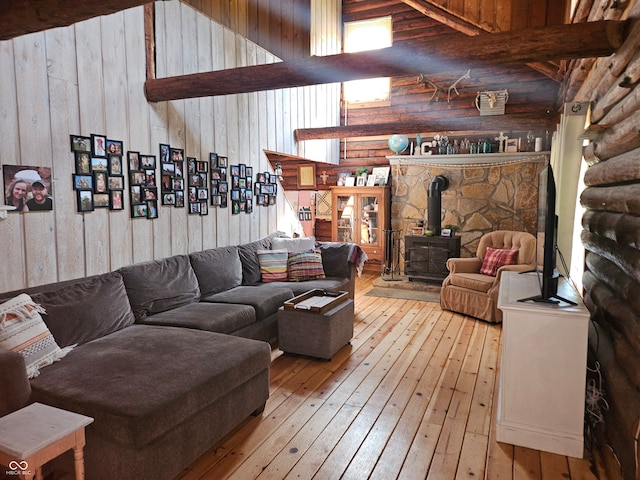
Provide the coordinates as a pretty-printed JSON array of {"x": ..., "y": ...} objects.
[{"x": 466, "y": 290}]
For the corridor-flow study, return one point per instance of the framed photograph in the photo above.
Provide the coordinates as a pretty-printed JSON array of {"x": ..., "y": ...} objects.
[
  {"x": 100, "y": 200},
  {"x": 213, "y": 159},
  {"x": 116, "y": 200},
  {"x": 134, "y": 160},
  {"x": 417, "y": 231},
  {"x": 204, "y": 208},
  {"x": 511, "y": 145},
  {"x": 169, "y": 199},
  {"x": 164, "y": 152},
  {"x": 235, "y": 170},
  {"x": 136, "y": 194},
  {"x": 115, "y": 164},
  {"x": 149, "y": 193},
  {"x": 83, "y": 162},
  {"x": 194, "y": 208},
  {"x": 98, "y": 145},
  {"x": 168, "y": 168},
  {"x": 99, "y": 164},
  {"x": 80, "y": 144},
  {"x": 201, "y": 166},
  {"x": 350, "y": 181},
  {"x": 223, "y": 162},
  {"x": 177, "y": 154},
  {"x": 249, "y": 172},
  {"x": 152, "y": 209},
  {"x": 179, "y": 199},
  {"x": 85, "y": 201},
  {"x": 82, "y": 182},
  {"x": 445, "y": 232},
  {"x": 235, "y": 207},
  {"x": 361, "y": 181},
  {"x": 371, "y": 181},
  {"x": 381, "y": 174},
  {"x": 147, "y": 162},
  {"x": 116, "y": 182},
  {"x": 342, "y": 178},
  {"x": 139, "y": 211},
  {"x": 114, "y": 147},
  {"x": 100, "y": 184},
  {"x": 216, "y": 200},
  {"x": 306, "y": 176},
  {"x": 150, "y": 178},
  {"x": 136, "y": 177}
]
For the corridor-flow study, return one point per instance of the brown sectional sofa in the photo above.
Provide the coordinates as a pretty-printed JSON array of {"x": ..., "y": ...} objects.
[{"x": 171, "y": 354}]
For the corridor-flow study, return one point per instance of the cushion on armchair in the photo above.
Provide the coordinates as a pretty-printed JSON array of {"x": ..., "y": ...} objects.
[{"x": 495, "y": 258}]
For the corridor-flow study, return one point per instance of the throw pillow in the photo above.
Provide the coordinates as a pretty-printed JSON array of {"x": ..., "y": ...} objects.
[
  {"x": 293, "y": 244},
  {"x": 273, "y": 265},
  {"x": 22, "y": 330},
  {"x": 306, "y": 265},
  {"x": 496, "y": 258}
]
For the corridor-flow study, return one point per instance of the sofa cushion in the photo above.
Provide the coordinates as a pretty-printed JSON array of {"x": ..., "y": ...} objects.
[
  {"x": 293, "y": 244},
  {"x": 304, "y": 265},
  {"x": 335, "y": 258},
  {"x": 249, "y": 258},
  {"x": 333, "y": 284},
  {"x": 86, "y": 309},
  {"x": 22, "y": 330},
  {"x": 264, "y": 299},
  {"x": 140, "y": 382},
  {"x": 213, "y": 317},
  {"x": 273, "y": 265},
  {"x": 473, "y": 281},
  {"x": 495, "y": 258},
  {"x": 160, "y": 285},
  {"x": 217, "y": 269}
]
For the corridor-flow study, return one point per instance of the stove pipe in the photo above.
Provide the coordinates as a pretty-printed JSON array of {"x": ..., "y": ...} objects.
[{"x": 434, "y": 206}]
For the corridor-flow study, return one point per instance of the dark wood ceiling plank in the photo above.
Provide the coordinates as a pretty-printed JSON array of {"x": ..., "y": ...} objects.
[
  {"x": 592, "y": 39},
  {"x": 22, "y": 17}
]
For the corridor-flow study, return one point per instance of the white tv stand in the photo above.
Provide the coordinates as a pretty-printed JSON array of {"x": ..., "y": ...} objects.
[{"x": 542, "y": 369}]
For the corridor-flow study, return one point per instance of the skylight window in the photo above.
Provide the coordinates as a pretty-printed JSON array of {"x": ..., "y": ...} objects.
[{"x": 367, "y": 35}]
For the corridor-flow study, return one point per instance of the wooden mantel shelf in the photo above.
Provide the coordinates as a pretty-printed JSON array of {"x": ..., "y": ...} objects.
[{"x": 478, "y": 158}]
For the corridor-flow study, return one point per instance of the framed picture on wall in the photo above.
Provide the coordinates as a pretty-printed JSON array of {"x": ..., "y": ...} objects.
[
  {"x": 85, "y": 200},
  {"x": 98, "y": 145}
]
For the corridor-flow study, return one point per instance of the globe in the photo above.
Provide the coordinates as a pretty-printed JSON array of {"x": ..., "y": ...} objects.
[{"x": 398, "y": 143}]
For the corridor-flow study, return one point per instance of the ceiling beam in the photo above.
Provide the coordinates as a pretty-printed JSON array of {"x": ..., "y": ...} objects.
[
  {"x": 471, "y": 29},
  {"x": 437, "y": 124},
  {"x": 28, "y": 16},
  {"x": 435, "y": 54}
]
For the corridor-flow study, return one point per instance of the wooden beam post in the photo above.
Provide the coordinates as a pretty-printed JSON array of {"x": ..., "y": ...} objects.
[{"x": 446, "y": 52}]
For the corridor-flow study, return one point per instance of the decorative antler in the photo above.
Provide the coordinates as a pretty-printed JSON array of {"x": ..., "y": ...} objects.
[
  {"x": 437, "y": 90},
  {"x": 428, "y": 82},
  {"x": 454, "y": 84}
]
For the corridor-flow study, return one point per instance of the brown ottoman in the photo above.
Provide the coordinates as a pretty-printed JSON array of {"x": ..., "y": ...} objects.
[{"x": 316, "y": 334}]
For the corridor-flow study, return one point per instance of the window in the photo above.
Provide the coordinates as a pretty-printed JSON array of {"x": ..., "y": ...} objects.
[{"x": 367, "y": 35}]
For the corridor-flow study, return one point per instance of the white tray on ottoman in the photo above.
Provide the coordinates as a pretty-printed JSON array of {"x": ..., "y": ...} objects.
[{"x": 316, "y": 324}]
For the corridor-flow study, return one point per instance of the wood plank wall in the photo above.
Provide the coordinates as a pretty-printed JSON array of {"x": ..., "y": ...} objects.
[
  {"x": 88, "y": 78},
  {"x": 411, "y": 101},
  {"x": 281, "y": 27},
  {"x": 611, "y": 230}
]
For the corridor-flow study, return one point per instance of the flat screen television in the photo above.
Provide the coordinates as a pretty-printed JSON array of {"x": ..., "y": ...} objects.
[{"x": 547, "y": 238}]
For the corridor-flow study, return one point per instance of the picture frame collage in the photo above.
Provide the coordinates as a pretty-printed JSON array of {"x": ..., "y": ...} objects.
[
  {"x": 172, "y": 177},
  {"x": 143, "y": 186},
  {"x": 197, "y": 181},
  {"x": 241, "y": 189},
  {"x": 99, "y": 172},
  {"x": 266, "y": 188},
  {"x": 219, "y": 186}
]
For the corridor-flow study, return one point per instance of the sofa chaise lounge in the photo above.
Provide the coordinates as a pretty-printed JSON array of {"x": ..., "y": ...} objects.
[{"x": 168, "y": 356}]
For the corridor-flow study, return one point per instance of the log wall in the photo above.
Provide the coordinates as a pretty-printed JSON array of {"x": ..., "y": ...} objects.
[
  {"x": 412, "y": 101},
  {"x": 611, "y": 229},
  {"x": 88, "y": 78}
]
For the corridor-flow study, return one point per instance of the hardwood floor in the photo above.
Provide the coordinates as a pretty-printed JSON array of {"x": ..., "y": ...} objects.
[{"x": 412, "y": 397}]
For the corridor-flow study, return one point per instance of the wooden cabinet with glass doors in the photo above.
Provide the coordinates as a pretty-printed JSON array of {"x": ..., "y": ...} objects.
[{"x": 361, "y": 215}]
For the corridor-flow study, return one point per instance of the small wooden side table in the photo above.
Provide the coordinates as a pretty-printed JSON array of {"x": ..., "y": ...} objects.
[{"x": 36, "y": 434}]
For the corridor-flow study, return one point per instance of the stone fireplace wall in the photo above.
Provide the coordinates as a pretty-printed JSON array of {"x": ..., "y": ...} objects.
[{"x": 480, "y": 197}]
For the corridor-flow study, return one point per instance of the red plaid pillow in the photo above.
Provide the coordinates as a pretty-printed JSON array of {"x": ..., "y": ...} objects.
[{"x": 496, "y": 258}]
